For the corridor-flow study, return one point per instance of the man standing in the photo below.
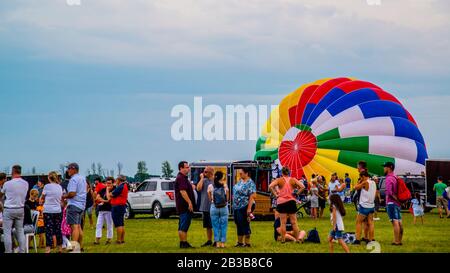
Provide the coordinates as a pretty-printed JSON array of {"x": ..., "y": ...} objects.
[
  {"x": 441, "y": 203},
  {"x": 76, "y": 196},
  {"x": 393, "y": 205},
  {"x": 15, "y": 192},
  {"x": 185, "y": 201},
  {"x": 119, "y": 197},
  {"x": 206, "y": 179}
]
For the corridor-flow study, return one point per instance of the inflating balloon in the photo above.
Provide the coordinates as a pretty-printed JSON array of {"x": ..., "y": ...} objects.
[{"x": 330, "y": 125}]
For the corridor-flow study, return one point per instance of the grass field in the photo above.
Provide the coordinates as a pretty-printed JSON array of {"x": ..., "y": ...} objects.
[{"x": 147, "y": 235}]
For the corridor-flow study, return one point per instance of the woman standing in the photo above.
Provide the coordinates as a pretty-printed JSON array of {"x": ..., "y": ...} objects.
[
  {"x": 52, "y": 196},
  {"x": 244, "y": 193},
  {"x": 286, "y": 202},
  {"x": 314, "y": 200},
  {"x": 218, "y": 194}
]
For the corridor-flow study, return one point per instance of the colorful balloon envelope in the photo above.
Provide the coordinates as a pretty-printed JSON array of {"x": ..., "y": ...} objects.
[{"x": 330, "y": 125}]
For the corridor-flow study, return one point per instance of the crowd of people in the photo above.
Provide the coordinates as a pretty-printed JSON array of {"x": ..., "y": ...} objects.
[
  {"x": 60, "y": 208},
  {"x": 365, "y": 193},
  {"x": 55, "y": 210}
]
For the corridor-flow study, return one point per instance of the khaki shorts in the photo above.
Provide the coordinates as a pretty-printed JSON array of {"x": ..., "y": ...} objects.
[{"x": 441, "y": 202}]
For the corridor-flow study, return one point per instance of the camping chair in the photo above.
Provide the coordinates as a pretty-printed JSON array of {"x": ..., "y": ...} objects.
[{"x": 34, "y": 220}]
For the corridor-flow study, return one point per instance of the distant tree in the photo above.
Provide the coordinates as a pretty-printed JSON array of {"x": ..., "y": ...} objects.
[
  {"x": 93, "y": 168},
  {"x": 99, "y": 169},
  {"x": 119, "y": 167},
  {"x": 33, "y": 170},
  {"x": 166, "y": 169},
  {"x": 142, "y": 172},
  {"x": 111, "y": 173},
  {"x": 62, "y": 169}
]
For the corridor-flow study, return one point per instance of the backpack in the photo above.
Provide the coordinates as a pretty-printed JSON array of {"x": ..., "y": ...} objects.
[
  {"x": 313, "y": 236},
  {"x": 403, "y": 193},
  {"x": 219, "y": 197}
]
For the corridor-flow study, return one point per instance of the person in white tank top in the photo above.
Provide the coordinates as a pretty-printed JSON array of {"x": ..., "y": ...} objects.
[{"x": 366, "y": 207}]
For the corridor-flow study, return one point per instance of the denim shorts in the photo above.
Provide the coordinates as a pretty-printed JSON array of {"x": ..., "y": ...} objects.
[
  {"x": 336, "y": 234},
  {"x": 185, "y": 221},
  {"x": 364, "y": 211},
  {"x": 393, "y": 212}
]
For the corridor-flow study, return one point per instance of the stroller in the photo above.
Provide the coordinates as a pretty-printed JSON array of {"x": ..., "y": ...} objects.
[{"x": 303, "y": 203}]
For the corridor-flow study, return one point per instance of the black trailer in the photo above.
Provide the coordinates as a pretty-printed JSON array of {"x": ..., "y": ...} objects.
[
  {"x": 434, "y": 169},
  {"x": 261, "y": 174}
]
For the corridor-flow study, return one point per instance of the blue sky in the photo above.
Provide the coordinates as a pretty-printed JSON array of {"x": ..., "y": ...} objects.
[{"x": 97, "y": 82}]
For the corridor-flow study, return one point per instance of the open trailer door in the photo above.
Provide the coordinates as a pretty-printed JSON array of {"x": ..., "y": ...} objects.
[{"x": 434, "y": 169}]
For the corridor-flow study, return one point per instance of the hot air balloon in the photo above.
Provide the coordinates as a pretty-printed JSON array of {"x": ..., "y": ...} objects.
[{"x": 331, "y": 124}]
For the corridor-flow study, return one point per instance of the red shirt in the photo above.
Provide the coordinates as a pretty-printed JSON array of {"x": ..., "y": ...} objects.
[
  {"x": 120, "y": 195},
  {"x": 99, "y": 187}
]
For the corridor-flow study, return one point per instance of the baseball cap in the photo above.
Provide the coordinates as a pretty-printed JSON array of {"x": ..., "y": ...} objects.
[
  {"x": 73, "y": 166},
  {"x": 389, "y": 165}
]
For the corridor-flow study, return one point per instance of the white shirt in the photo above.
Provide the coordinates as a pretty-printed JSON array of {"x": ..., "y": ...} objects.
[
  {"x": 367, "y": 198},
  {"x": 339, "y": 221},
  {"x": 15, "y": 192},
  {"x": 53, "y": 194},
  {"x": 78, "y": 185},
  {"x": 334, "y": 186}
]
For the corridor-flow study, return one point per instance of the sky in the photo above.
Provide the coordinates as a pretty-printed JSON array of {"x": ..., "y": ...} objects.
[{"x": 96, "y": 82}]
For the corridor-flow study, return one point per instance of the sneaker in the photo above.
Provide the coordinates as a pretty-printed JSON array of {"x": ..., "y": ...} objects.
[
  {"x": 185, "y": 245},
  {"x": 239, "y": 245},
  {"x": 247, "y": 245},
  {"x": 209, "y": 243},
  {"x": 215, "y": 244},
  {"x": 357, "y": 242},
  {"x": 365, "y": 240},
  {"x": 96, "y": 243},
  {"x": 108, "y": 242}
]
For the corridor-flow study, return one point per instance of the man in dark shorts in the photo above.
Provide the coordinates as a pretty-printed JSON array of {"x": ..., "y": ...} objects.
[
  {"x": 76, "y": 196},
  {"x": 185, "y": 202},
  {"x": 118, "y": 198}
]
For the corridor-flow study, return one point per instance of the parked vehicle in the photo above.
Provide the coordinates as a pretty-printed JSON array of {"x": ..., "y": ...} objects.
[{"x": 153, "y": 196}]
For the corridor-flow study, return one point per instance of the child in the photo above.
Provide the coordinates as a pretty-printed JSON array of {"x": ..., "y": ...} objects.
[
  {"x": 314, "y": 199},
  {"x": 65, "y": 230},
  {"x": 337, "y": 212},
  {"x": 416, "y": 205},
  {"x": 41, "y": 227},
  {"x": 32, "y": 202}
]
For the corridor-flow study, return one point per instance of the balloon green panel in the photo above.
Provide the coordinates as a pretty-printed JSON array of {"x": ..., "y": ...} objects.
[
  {"x": 303, "y": 127},
  {"x": 261, "y": 141},
  {"x": 355, "y": 144},
  {"x": 332, "y": 134},
  {"x": 267, "y": 154},
  {"x": 374, "y": 162}
]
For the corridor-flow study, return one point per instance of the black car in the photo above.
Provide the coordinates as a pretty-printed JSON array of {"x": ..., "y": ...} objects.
[{"x": 415, "y": 183}]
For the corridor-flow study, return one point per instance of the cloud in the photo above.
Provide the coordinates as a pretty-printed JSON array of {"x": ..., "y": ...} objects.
[{"x": 397, "y": 37}]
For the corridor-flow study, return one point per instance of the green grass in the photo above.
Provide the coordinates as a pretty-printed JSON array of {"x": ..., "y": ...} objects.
[{"x": 147, "y": 235}]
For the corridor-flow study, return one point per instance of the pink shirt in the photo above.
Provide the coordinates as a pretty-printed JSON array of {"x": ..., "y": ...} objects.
[{"x": 285, "y": 194}]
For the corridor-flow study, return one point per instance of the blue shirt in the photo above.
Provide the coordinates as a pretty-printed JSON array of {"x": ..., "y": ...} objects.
[
  {"x": 78, "y": 185},
  {"x": 242, "y": 192}
]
